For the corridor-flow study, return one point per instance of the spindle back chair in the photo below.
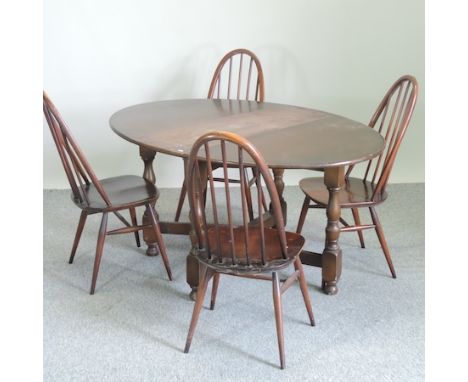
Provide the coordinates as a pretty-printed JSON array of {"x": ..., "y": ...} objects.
[
  {"x": 92, "y": 195},
  {"x": 391, "y": 119},
  {"x": 77, "y": 169},
  {"x": 239, "y": 75},
  {"x": 237, "y": 72},
  {"x": 233, "y": 246}
]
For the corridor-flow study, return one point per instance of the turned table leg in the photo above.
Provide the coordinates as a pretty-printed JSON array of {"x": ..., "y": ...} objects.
[
  {"x": 147, "y": 155},
  {"x": 192, "y": 269},
  {"x": 331, "y": 256}
]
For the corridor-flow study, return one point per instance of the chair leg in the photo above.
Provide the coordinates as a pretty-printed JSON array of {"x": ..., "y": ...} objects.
[
  {"x": 264, "y": 202},
  {"x": 357, "y": 221},
  {"x": 180, "y": 204},
  {"x": 157, "y": 231},
  {"x": 99, "y": 249},
  {"x": 278, "y": 317},
  {"x": 248, "y": 197},
  {"x": 205, "y": 193},
  {"x": 79, "y": 230},
  {"x": 135, "y": 223},
  {"x": 383, "y": 242},
  {"x": 305, "y": 291},
  {"x": 302, "y": 216},
  {"x": 205, "y": 275},
  {"x": 214, "y": 290}
]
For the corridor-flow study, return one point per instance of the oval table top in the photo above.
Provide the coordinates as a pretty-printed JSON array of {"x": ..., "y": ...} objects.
[{"x": 288, "y": 137}]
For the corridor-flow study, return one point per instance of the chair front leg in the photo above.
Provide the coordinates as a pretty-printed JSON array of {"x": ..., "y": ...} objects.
[
  {"x": 79, "y": 230},
  {"x": 302, "y": 216},
  {"x": 278, "y": 317},
  {"x": 99, "y": 250},
  {"x": 214, "y": 290},
  {"x": 205, "y": 275},
  {"x": 180, "y": 204}
]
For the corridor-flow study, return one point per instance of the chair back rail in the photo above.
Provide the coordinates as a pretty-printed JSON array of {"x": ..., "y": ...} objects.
[
  {"x": 77, "y": 169},
  {"x": 391, "y": 119},
  {"x": 228, "y": 147},
  {"x": 230, "y": 77}
]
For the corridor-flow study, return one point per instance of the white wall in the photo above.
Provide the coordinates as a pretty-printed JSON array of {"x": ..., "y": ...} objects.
[{"x": 335, "y": 55}]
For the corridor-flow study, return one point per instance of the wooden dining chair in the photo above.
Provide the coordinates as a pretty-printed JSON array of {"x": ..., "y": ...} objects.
[
  {"x": 105, "y": 196},
  {"x": 239, "y": 76},
  {"x": 244, "y": 250},
  {"x": 391, "y": 118}
]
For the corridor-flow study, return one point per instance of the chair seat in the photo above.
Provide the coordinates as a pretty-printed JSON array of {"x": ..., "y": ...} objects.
[
  {"x": 355, "y": 192},
  {"x": 273, "y": 255},
  {"x": 123, "y": 191}
]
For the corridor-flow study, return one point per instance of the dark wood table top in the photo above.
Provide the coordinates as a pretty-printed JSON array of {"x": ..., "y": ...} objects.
[{"x": 289, "y": 137}]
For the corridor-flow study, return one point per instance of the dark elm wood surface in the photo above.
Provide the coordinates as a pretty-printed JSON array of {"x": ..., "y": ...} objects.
[{"x": 289, "y": 137}]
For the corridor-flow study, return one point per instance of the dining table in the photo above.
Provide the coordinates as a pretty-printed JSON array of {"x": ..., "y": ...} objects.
[{"x": 288, "y": 136}]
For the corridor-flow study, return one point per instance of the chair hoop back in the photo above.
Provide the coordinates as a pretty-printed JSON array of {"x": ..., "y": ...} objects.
[
  {"x": 79, "y": 173},
  {"x": 220, "y": 149},
  {"x": 228, "y": 80},
  {"x": 391, "y": 119}
]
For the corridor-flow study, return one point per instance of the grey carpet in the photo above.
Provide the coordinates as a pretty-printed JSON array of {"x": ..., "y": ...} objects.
[{"x": 134, "y": 327}]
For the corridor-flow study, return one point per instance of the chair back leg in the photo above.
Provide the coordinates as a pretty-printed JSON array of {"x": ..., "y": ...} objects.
[
  {"x": 135, "y": 223},
  {"x": 304, "y": 289},
  {"x": 248, "y": 196},
  {"x": 159, "y": 238},
  {"x": 357, "y": 221},
  {"x": 383, "y": 242}
]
